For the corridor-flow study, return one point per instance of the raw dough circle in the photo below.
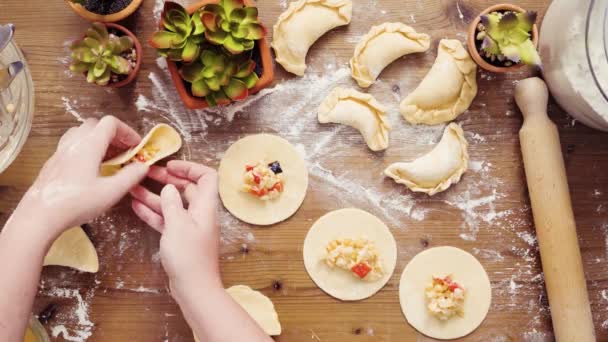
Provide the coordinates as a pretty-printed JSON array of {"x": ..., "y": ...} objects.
[
  {"x": 250, "y": 150},
  {"x": 348, "y": 223},
  {"x": 466, "y": 270}
]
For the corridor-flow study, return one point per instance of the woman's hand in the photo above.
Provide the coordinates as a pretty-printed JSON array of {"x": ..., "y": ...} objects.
[
  {"x": 189, "y": 246},
  {"x": 69, "y": 190}
]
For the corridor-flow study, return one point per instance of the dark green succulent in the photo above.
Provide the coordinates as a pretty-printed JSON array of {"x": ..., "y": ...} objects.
[
  {"x": 506, "y": 37},
  {"x": 220, "y": 78},
  {"x": 99, "y": 55},
  {"x": 182, "y": 34},
  {"x": 232, "y": 25}
]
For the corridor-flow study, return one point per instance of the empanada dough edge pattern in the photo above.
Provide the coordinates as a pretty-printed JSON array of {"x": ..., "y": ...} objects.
[
  {"x": 453, "y": 66},
  {"x": 410, "y": 42},
  {"x": 361, "y": 111},
  {"x": 301, "y": 25},
  {"x": 455, "y": 161}
]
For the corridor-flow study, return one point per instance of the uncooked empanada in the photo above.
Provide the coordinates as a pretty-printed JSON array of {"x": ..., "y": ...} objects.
[
  {"x": 437, "y": 170},
  {"x": 358, "y": 110},
  {"x": 382, "y": 45},
  {"x": 73, "y": 249},
  {"x": 301, "y": 25},
  {"x": 162, "y": 141},
  {"x": 447, "y": 90}
]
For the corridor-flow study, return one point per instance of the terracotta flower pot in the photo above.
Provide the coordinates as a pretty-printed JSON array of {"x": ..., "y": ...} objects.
[
  {"x": 107, "y": 18},
  {"x": 471, "y": 42},
  {"x": 138, "y": 51},
  {"x": 262, "y": 45}
]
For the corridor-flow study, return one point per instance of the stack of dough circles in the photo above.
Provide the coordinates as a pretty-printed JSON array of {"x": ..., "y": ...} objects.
[
  {"x": 464, "y": 269},
  {"x": 250, "y": 150},
  {"x": 348, "y": 223}
]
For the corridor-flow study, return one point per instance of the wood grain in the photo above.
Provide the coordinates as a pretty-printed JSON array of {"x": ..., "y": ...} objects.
[{"x": 129, "y": 300}]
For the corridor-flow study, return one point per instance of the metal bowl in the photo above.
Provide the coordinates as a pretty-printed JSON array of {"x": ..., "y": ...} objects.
[{"x": 16, "y": 108}]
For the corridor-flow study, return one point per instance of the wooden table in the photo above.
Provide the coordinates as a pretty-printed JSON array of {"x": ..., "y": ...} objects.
[{"x": 487, "y": 213}]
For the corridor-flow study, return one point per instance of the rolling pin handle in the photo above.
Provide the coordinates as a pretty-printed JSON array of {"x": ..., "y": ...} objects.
[{"x": 532, "y": 97}]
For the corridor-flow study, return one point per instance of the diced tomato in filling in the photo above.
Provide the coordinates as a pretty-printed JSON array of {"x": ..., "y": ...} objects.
[
  {"x": 256, "y": 179},
  {"x": 259, "y": 192},
  {"x": 248, "y": 168},
  {"x": 361, "y": 270},
  {"x": 277, "y": 186},
  {"x": 140, "y": 157}
]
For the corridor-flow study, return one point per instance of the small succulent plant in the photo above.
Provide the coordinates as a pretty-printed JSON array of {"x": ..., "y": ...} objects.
[
  {"x": 100, "y": 54},
  {"x": 232, "y": 25},
  {"x": 219, "y": 77},
  {"x": 506, "y": 38},
  {"x": 182, "y": 36}
]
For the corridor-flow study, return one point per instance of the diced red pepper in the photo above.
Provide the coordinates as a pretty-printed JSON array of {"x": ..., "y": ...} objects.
[
  {"x": 140, "y": 157},
  {"x": 256, "y": 179},
  {"x": 361, "y": 269},
  {"x": 278, "y": 186},
  {"x": 258, "y": 192},
  {"x": 248, "y": 168}
]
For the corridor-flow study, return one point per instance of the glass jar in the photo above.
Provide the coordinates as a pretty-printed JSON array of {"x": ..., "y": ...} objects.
[
  {"x": 16, "y": 107},
  {"x": 573, "y": 47}
]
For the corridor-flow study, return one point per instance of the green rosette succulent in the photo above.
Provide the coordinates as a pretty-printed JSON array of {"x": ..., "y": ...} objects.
[
  {"x": 99, "y": 55},
  {"x": 232, "y": 25},
  {"x": 506, "y": 37},
  {"x": 220, "y": 78},
  {"x": 182, "y": 34}
]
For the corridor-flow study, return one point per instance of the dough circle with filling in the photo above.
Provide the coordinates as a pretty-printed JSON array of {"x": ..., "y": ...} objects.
[
  {"x": 465, "y": 270},
  {"x": 348, "y": 223},
  {"x": 250, "y": 150}
]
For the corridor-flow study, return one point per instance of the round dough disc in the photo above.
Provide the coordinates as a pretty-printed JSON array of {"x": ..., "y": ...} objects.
[
  {"x": 251, "y": 150},
  {"x": 348, "y": 223},
  {"x": 465, "y": 270}
]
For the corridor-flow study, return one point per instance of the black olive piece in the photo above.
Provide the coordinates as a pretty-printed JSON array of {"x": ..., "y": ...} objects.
[{"x": 275, "y": 166}]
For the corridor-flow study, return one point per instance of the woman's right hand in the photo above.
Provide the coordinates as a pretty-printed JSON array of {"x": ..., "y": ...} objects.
[{"x": 189, "y": 246}]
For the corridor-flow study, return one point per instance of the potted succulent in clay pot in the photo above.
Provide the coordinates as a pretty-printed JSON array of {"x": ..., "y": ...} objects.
[
  {"x": 216, "y": 51},
  {"x": 105, "y": 11},
  {"x": 108, "y": 55},
  {"x": 503, "y": 38}
]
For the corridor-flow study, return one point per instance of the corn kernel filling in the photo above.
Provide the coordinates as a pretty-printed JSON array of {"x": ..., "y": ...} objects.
[
  {"x": 358, "y": 256},
  {"x": 445, "y": 298},
  {"x": 264, "y": 180},
  {"x": 145, "y": 154}
]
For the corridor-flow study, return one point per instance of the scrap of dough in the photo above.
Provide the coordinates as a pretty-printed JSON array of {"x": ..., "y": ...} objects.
[
  {"x": 466, "y": 270},
  {"x": 258, "y": 306},
  {"x": 302, "y": 24},
  {"x": 447, "y": 90},
  {"x": 73, "y": 249},
  {"x": 437, "y": 170},
  {"x": 381, "y": 46},
  {"x": 358, "y": 110},
  {"x": 247, "y": 207},
  {"x": 162, "y": 137},
  {"x": 348, "y": 223}
]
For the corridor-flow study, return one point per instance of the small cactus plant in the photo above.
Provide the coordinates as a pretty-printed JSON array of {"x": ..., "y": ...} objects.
[
  {"x": 219, "y": 77},
  {"x": 506, "y": 38},
  {"x": 182, "y": 36},
  {"x": 232, "y": 25},
  {"x": 101, "y": 55}
]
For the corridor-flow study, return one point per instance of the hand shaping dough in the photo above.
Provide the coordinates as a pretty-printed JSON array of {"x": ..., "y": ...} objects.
[
  {"x": 247, "y": 207},
  {"x": 73, "y": 249},
  {"x": 162, "y": 141},
  {"x": 358, "y": 110},
  {"x": 258, "y": 306},
  {"x": 437, "y": 170},
  {"x": 447, "y": 90},
  {"x": 301, "y": 25},
  {"x": 465, "y": 269},
  {"x": 382, "y": 45},
  {"x": 348, "y": 223}
]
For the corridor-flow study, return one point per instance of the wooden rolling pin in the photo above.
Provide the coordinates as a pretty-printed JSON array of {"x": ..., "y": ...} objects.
[{"x": 553, "y": 216}]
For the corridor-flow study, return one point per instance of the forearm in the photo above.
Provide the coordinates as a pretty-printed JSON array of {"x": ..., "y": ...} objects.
[
  {"x": 22, "y": 255},
  {"x": 214, "y": 316}
]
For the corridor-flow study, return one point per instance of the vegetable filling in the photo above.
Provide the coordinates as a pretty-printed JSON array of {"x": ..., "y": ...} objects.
[
  {"x": 359, "y": 256},
  {"x": 145, "y": 154},
  {"x": 445, "y": 298},
  {"x": 264, "y": 180}
]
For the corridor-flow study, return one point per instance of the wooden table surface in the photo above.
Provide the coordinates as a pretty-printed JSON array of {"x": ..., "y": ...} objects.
[{"x": 487, "y": 213}]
